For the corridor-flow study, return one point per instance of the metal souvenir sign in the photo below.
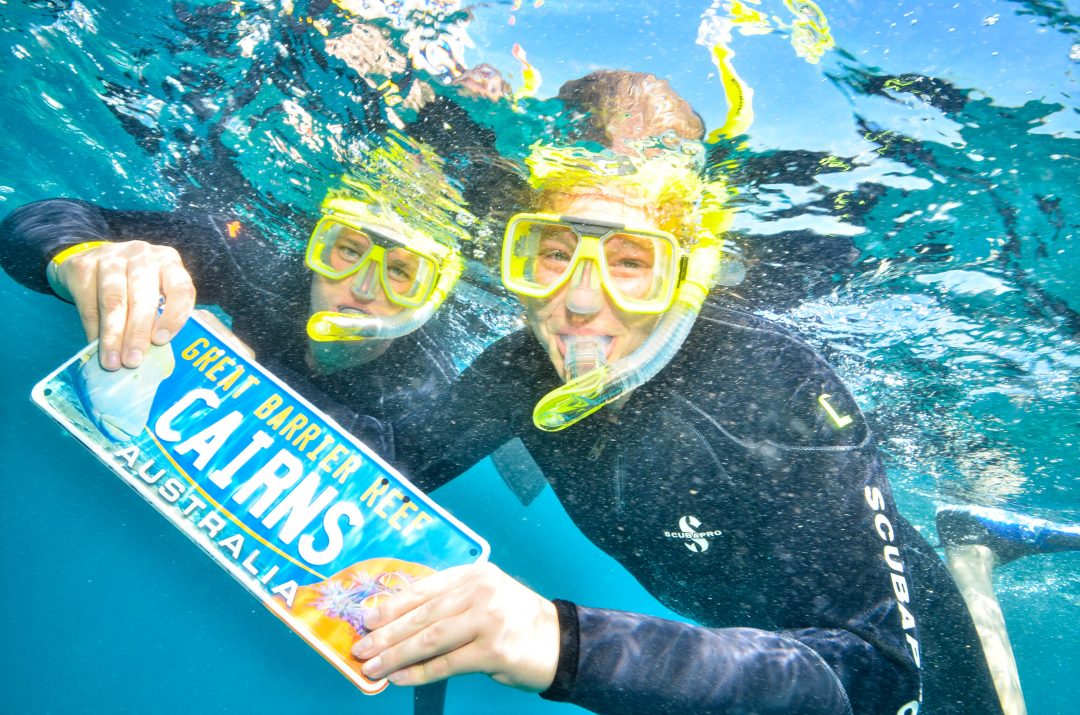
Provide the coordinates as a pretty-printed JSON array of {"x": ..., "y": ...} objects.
[{"x": 306, "y": 517}]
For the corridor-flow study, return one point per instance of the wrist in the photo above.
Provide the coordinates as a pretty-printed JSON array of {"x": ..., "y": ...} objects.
[
  {"x": 52, "y": 271},
  {"x": 566, "y": 670}
]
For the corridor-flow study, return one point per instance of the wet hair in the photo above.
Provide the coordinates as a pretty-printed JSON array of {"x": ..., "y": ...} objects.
[
  {"x": 654, "y": 134},
  {"x": 626, "y": 106},
  {"x": 670, "y": 186}
]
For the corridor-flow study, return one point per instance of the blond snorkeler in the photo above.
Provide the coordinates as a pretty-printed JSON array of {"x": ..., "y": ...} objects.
[{"x": 711, "y": 452}]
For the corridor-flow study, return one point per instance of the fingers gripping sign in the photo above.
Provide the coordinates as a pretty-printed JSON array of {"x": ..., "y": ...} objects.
[
  {"x": 117, "y": 289},
  {"x": 466, "y": 619}
]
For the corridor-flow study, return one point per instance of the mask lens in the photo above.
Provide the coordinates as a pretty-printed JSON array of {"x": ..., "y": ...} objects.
[
  {"x": 639, "y": 267},
  {"x": 337, "y": 250},
  {"x": 542, "y": 254},
  {"x": 348, "y": 249},
  {"x": 408, "y": 277},
  {"x": 556, "y": 246}
]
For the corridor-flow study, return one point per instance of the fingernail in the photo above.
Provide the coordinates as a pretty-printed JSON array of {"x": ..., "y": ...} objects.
[
  {"x": 361, "y": 646},
  {"x": 372, "y": 667},
  {"x": 371, "y": 617},
  {"x": 112, "y": 360},
  {"x": 399, "y": 678},
  {"x": 161, "y": 337},
  {"x": 134, "y": 357}
]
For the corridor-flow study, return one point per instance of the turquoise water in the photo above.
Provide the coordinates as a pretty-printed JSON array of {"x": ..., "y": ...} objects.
[{"x": 935, "y": 151}]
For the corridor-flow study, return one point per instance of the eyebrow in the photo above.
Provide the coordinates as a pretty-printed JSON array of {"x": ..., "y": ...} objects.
[
  {"x": 562, "y": 233},
  {"x": 635, "y": 241}
]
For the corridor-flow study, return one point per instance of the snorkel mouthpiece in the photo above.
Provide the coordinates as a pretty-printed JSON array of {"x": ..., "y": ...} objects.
[
  {"x": 586, "y": 393},
  {"x": 584, "y": 354},
  {"x": 586, "y": 367},
  {"x": 574, "y": 401},
  {"x": 327, "y": 326}
]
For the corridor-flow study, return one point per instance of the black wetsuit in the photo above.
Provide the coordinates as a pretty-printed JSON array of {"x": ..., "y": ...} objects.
[
  {"x": 727, "y": 490},
  {"x": 266, "y": 292}
]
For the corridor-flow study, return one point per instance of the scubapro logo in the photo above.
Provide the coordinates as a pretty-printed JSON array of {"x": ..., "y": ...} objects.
[{"x": 696, "y": 541}]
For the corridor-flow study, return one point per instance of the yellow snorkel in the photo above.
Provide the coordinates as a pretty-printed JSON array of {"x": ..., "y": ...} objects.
[
  {"x": 707, "y": 261},
  {"x": 360, "y": 216},
  {"x": 585, "y": 394}
]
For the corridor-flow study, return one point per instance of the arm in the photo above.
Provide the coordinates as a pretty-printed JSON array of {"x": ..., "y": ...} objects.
[
  {"x": 835, "y": 638},
  {"x": 476, "y": 619},
  {"x": 618, "y": 662},
  {"x": 32, "y": 235},
  {"x": 115, "y": 266}
]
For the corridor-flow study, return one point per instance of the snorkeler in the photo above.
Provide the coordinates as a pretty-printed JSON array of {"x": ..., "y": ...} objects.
[
  {"x": 347, "y": 333},
  {"x": 712, "y": 453},
  {"x": 975, "y": 540}
]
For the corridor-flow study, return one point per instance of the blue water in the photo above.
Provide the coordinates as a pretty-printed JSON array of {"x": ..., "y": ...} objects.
[{"x": 938, "y": 141}]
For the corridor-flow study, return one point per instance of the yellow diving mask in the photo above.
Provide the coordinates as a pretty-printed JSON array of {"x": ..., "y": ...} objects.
[
  {"x": 346, "y": 242},
  {"x": 416, "y": 272},
  {"x": 639, "y": 268}
]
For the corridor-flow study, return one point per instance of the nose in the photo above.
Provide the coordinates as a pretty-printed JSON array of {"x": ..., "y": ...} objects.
[
  {"x": 365, "y": 285},
  {"x": 585, "y": 297}
]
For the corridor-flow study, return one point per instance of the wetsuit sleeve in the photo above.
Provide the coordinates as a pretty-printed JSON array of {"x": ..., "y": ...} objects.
[
  {"x": 32, "y": 234},
  {"x": 619, "y": 662}
]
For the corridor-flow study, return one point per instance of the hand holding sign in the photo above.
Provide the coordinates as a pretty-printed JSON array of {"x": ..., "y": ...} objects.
[
  {"x": 466, "y": 619},
  {"x": 273, "y": 490}
]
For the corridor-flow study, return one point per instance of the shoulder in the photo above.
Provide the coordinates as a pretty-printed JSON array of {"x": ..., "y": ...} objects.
[
  {"x": 749, "y": 330},
  {"x": 765, "y": 384},
  {"x": 244, "y": 241},
  {"x": 425, "y": 353},
  {"x": 270, "y": 269},
  {"x": 513, "y": 367},
  {"x": 516, "y": 352}
]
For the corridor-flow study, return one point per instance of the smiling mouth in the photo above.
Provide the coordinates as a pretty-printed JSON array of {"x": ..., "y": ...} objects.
[
  {"x": 581, "y": 343},
  {"x": 349, "y": 310}
]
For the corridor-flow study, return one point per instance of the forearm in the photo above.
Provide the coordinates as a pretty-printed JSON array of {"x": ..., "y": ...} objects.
[
  {"x": 630, "y": 663},
  {"x": 34, "y": 233},
  {"x": 31, "y": 235}
]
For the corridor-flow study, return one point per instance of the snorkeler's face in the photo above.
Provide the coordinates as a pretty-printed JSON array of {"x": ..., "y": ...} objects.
[
  {"x": 360, "y": 294},
  {"x": 582, "y": 307}
]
